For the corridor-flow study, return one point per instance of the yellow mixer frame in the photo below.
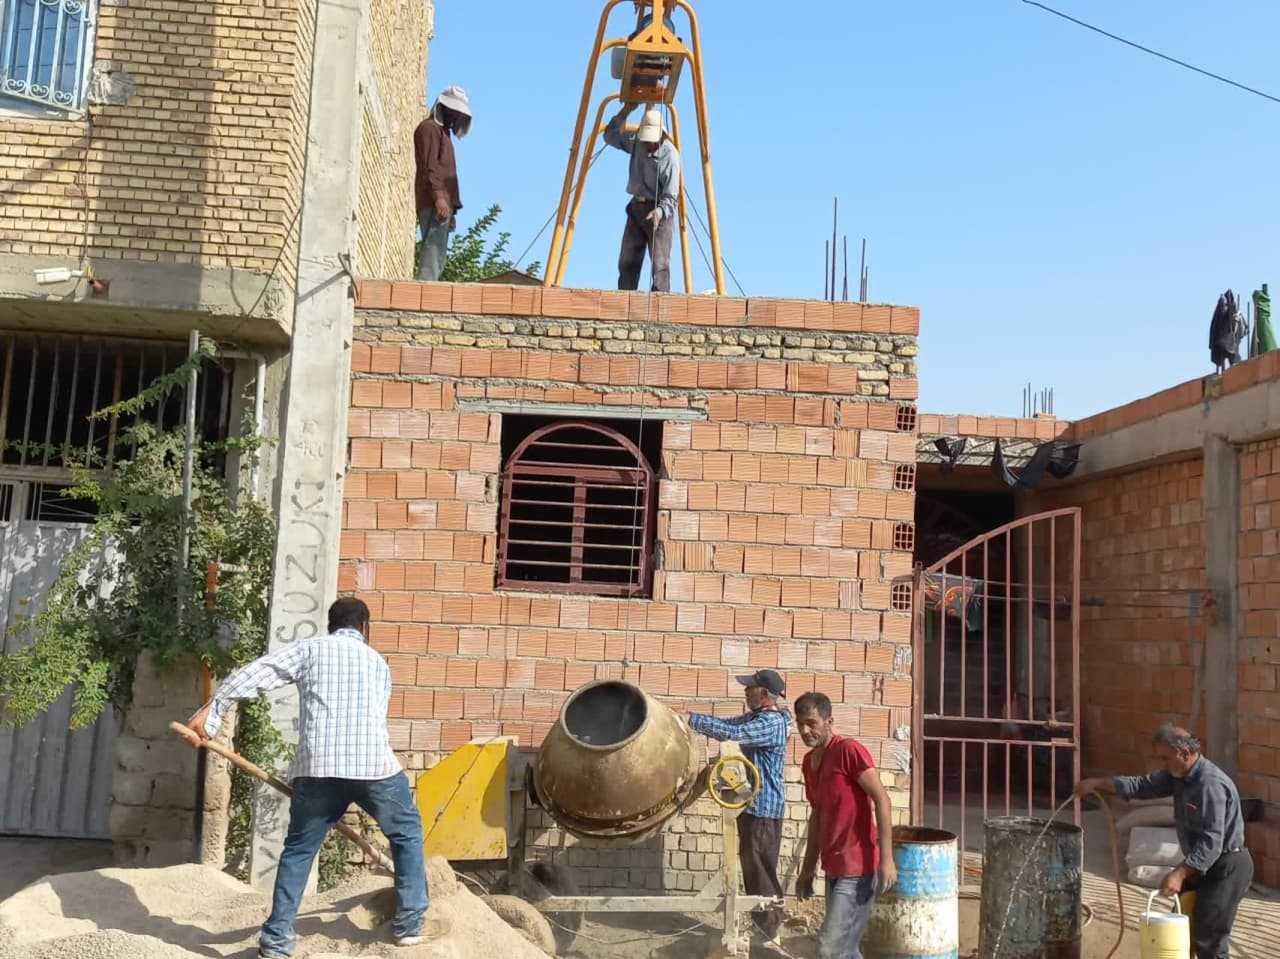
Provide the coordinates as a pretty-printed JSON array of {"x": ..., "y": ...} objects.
[
  {"x": 655, "y": 60},
  {"x": 473, "y": 806}
]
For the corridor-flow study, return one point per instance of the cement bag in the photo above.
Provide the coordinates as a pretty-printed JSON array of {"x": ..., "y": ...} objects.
[
  {"x": 1153, "y": 846},
  {"x": 1153, "y": 815},
  {"x": 1148, "y": 877}
]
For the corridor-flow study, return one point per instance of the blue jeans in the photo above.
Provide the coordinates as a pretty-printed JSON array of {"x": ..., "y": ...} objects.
[
  {"x": 317, "y": 806},
  {"x": 848, "y": 910},
  {"x": 435, "y": 244}
]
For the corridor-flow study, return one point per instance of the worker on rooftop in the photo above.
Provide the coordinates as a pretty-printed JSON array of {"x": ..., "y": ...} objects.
[
  {"x": 850, "y": 828},
  {"x": 1206, "y": 809},
  {"x": 762, "y": 733},
  {"x": 435, "y": 183},
  {"x": 654, "y": 184},
  {"x": 344, "y": 756}
]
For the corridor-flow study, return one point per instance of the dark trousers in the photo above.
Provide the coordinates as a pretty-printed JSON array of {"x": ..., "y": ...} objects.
[
  {"x": 639, "y": 236},
  {"x": 759, "y": 843},
  {"x": 1218, "y": 895}
]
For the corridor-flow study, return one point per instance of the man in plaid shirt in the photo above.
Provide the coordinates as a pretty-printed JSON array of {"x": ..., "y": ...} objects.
[
  {"x": 344, "y": 756},
  {"x": 762, "y": 733}
]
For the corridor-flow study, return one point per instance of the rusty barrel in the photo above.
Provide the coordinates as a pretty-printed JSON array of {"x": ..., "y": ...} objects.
[
  {"x": 919, "y": 918},
  {"x": 616, "y": 765},
  {"x": 1031, "y": 890}
]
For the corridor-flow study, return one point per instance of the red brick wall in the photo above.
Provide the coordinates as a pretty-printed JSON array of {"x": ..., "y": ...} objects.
[
  {"x": 1260, "y": 622},
  {"x": 776, "y": 521},
  {"x": 1142, "y": 551}
]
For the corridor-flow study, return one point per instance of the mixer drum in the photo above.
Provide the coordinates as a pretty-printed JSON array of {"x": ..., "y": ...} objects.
[{"x": 617, "y": 765}]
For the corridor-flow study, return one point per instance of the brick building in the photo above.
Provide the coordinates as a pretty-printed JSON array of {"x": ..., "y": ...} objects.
[
  {"x": 774, "y": 443},
  {"x": 1178, "y": 613},
  {"x": 194, "y": 160}
]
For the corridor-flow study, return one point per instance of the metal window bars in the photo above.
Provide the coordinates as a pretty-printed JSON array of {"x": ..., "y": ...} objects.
[
  {"x": 50, "y": 385},
  {"x": 577, "y": 513},
  {"x": 44, "y": 51}
]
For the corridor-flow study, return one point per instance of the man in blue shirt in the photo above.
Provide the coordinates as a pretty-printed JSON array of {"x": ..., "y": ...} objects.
[
  {"x": 1206, "y": 809},
  {"x": 654, "y": 185},
  {"x": 762, "y": 733}
]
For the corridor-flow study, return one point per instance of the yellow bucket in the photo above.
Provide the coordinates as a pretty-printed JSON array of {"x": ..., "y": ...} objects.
[{"x": 1165, "y": 935}]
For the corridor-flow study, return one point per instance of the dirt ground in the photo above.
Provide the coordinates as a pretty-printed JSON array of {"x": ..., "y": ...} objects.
[
  {"x": 1257, "y": 934},
  {"x": 648, "y": 937}
]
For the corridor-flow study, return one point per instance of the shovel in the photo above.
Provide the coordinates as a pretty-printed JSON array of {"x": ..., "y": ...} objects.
[{"x": 378, "y": 856}]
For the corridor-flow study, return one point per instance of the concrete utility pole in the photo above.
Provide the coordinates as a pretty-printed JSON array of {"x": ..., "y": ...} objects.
[{"x": 312, "y": 456}]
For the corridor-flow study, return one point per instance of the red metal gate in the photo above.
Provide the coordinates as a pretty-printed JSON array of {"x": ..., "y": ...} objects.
[{"x": 996, "y": 724}]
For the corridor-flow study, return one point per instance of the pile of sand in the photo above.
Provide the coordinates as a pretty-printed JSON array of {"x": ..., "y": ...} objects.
[{"x": 196, "y": 912}]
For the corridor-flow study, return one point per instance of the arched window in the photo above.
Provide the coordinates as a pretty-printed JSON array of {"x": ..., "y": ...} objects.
[{"x": 578, "y": 502}]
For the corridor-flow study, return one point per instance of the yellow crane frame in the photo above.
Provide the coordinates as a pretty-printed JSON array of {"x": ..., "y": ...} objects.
[{"x": 642, "y": 82}]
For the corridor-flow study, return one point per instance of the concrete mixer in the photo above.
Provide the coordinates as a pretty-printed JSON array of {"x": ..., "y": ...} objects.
[{"x": 615, "y": 768}]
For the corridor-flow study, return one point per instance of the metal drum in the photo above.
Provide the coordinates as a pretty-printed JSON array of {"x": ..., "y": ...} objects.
[
  {"x": 1031, "y": 890},
  {"x": 919, "y": 918},
  {"x": 617, "y": 765}
]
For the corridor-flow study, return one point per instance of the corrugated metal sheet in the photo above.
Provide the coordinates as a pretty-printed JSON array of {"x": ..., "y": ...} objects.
[{"x": 55, "y": 782}]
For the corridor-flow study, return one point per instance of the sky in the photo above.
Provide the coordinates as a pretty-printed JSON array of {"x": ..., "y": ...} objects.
[{"x": 1065, "y": 210}]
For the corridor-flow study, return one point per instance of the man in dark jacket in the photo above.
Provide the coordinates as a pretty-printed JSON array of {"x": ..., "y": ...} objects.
[
  {"x": 1206, "y": 809},
  {"x": 435, "y": 183}
]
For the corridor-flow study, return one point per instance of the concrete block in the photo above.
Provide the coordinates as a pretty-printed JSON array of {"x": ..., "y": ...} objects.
[
  {"x": 130, "y": 789},
  {"x": 173, "y": 792}
]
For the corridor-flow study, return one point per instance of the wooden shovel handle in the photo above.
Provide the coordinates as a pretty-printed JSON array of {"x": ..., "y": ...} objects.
[{"x": 257, "y": 772}]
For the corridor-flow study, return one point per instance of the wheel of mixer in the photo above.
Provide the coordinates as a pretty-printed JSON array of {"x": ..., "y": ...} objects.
[{"x": 733, "y": 782}]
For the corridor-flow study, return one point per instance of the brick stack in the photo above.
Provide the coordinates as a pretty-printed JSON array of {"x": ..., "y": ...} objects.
[{"x": 780, "y": 529}]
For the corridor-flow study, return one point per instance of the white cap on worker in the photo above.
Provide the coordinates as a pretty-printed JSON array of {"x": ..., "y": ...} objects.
[
  {"x": 455, "y": 98},
  {"x": 650, "y": 127}
]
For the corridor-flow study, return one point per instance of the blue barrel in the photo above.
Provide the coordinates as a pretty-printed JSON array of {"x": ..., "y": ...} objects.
[
  {"x": 919, "y": 918},
  {"x": 1031, "y": 889}
]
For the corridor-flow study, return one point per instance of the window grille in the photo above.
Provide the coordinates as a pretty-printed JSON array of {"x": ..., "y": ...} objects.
[
  {"x": 577, "y": 512},
  {"x": 44, "y": 51},
  {"x": 50, "y": 387}
]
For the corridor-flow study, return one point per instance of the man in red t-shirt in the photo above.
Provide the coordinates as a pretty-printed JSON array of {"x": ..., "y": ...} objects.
[{"x": 851, "y": 821}]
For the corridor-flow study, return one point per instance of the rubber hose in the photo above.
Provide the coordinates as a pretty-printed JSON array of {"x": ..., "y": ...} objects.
[{"x": 1115, "y": 864}]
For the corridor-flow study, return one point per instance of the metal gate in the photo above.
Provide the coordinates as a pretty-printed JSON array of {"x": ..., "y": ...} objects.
[
  {"x": 996, "y": 724},
  {"x": 53, "y": 782}
]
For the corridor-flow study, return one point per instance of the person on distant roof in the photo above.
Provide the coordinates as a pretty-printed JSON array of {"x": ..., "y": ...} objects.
[
  {"x": 435, "y": 183},
  {"x": 654, "y": 185}
]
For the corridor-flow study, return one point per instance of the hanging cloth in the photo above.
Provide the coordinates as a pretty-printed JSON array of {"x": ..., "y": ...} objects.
[{"x": 1262, "y": 320}]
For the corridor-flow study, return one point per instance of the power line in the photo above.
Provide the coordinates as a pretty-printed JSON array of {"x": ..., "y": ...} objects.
[
  {"x": 553, "y": 215},
  {"x": 707, "y": 231},
  {"x": 1154, "y": 53}
]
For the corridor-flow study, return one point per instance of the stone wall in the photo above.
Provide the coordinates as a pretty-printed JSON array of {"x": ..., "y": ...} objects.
[
  {"x": 154, "y": 793},
  {"x": 785, "y": 517}
]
